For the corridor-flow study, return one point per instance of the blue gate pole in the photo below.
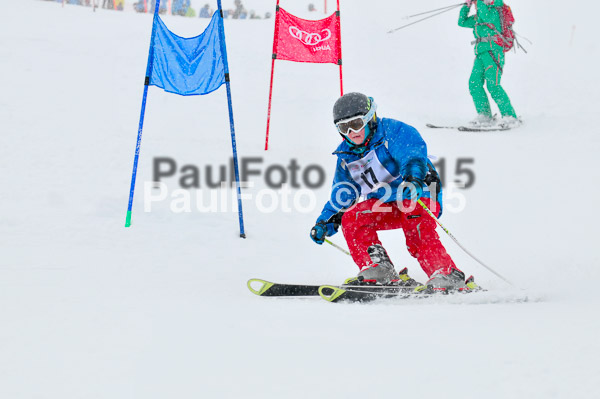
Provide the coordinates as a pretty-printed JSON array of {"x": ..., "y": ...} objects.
[
  {"x": 142, "y": 114},
  {"x": 233, "y": 143}
]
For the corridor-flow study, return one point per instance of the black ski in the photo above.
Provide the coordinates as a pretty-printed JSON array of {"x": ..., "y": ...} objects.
[
  {"x": 266, "y": 288},
  {"x": 429, "y": 125},
  {"x": 482, "y": 129},
  {"x": 363, "y": 294},
  {"x": 469, "y": 128}
]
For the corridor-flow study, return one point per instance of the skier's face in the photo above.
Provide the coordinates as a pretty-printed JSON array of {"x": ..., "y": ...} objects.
[{"x": 357, "y": 137}]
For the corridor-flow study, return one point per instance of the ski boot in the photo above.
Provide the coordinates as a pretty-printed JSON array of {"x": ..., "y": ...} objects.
[
  {"x": 483, "y": 121},
  {"x": 470, "y": 285},
  {"x": 380, "y": 272},
  {"x": 404, "y": 280},
  {"x": 444, "y": 283},
  {"x": 508, "y": 122}
]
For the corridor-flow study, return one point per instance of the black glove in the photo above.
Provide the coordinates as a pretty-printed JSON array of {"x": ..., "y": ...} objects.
[
  {"x": 326, "y": 228},
  {"x": 322, "y": 230},
  {"x": 414, "y": 189}
]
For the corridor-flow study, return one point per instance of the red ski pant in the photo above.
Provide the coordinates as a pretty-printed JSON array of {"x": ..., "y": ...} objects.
[{"x": 361, "y": 223}]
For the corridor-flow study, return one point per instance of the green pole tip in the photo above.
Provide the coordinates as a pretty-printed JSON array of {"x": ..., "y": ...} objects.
[{"x": 128, "y": 219}]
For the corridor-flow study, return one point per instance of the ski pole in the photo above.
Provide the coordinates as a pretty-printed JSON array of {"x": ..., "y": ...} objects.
[
  {"x": 530, "y": 42},
  {"x": 519, "y": 44},
  {"x": 459, "y": 244},
  {"x": 423, "y": 19},
  {"x": 430, "y": 11},
  {"x": 337, "y": 247}
]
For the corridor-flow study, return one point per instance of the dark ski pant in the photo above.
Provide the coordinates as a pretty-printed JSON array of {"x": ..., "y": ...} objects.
[
  {"x": 361, "y": 223},
  {"x": 487, "y": 69}
]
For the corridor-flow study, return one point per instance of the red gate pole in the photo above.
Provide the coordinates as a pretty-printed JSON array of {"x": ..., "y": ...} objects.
[
  {"x": 269, "y": 110},
  {"x": 341, "y": 82},
  {"x": 274, "y": 57},
  {"x": 340, "y": 52}
]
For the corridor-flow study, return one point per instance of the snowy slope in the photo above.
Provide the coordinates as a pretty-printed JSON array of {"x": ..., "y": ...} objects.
[{"x": 93, "y": 310}]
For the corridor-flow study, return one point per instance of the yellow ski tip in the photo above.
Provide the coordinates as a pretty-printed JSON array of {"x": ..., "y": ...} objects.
[
  {"x": 331, "y": 293},
  {"x": 261, "y": 286}
]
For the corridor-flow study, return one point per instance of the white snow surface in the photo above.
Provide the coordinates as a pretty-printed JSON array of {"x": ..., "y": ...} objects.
[{"x": 90, "y": 309}]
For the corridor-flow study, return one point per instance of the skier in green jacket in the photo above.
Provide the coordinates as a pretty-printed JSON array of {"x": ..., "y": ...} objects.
[{"x": 489, "y": 62}]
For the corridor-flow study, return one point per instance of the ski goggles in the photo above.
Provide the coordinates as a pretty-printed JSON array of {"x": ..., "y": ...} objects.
[{"x": 356, "y": 123}]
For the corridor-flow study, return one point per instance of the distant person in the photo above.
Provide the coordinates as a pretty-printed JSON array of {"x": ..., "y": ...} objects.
[
  {"x": 109, "y": 4},
  {"x": 311, "y": 7},
  {"x": 239, "y": 12},
  {"x": 190, "y": 12},
  {"x": 267, "y": 15},
  {"x": 206, "y": 12},
  {"x": 163, "y": 7},
  {"x": 139, "y": 6},
  {"x": 180, "y": 7},
  {"x": 489, "y": 62}
]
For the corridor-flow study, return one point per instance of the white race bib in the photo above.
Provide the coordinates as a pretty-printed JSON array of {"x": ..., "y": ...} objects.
[{"x": 369, "y": 173}]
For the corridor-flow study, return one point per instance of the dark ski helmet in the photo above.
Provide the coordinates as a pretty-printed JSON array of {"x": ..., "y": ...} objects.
[{"x": 351, "y": 105}]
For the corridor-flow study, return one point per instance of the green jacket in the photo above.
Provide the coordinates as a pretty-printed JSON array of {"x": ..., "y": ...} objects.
[{"x": 478, "y": 22}]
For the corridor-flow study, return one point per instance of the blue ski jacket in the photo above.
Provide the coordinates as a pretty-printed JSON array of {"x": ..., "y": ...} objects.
[{"x": 395, "y": 152}]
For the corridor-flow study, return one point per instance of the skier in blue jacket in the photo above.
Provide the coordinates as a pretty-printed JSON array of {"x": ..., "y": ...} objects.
[{"x": 384, "y": 162}]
